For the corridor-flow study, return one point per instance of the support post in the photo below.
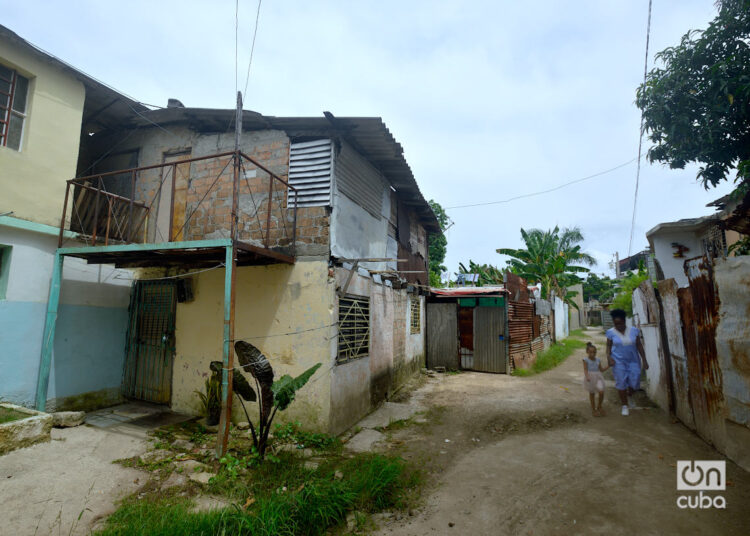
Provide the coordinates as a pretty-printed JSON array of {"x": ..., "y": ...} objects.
[
  {"x": 230, "y": 273},
  {"x": 48, "y": 339},
  {"x": 227, "y": 352}
]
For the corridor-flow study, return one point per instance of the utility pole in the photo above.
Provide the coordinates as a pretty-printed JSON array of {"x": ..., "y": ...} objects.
[{"x": 230, "y": 274}]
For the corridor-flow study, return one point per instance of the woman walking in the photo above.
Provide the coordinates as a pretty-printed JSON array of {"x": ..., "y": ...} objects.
[{"x": 625, "y": 354}]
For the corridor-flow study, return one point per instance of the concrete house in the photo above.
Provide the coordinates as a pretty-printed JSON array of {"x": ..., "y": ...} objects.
[
  {"x": 46, "y": 108},
  {"x": 308, "y": 240}
]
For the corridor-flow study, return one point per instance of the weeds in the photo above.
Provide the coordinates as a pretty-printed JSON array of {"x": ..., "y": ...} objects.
[
  {"x": 283, "y": 498},
  {"x": 552, "y": 356},
  {"x": 292, "y": 433}
]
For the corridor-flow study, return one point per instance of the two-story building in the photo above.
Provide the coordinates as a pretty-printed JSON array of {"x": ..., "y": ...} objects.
[{"x": 46, "y": 108}]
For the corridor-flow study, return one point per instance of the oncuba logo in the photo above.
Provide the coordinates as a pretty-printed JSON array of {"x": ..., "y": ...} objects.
[{"x": 700, "y": 476}]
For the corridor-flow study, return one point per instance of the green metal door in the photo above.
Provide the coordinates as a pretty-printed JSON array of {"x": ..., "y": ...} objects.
[{"x": 149, "y": 353}]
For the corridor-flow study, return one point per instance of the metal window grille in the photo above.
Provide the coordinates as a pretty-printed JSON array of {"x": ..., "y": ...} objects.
[
  {"x": 354, "y": 328},
  {"x": 714, "y": 242},
  {"x": 415, "y": 320},
  {"x": 13, "y": 95}
]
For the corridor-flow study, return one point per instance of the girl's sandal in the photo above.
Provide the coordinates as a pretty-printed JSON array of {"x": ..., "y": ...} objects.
[
  {"x": 596, "y": 413},
  {"x": 602, "y": 413}
]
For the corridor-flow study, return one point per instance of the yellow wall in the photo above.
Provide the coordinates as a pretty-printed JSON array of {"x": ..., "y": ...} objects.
[
  {"x": 271, "y": 300},
  {"x": 33, "y": 180}
]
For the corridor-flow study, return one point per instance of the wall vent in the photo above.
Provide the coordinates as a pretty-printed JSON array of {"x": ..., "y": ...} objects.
[{"x": 310, "y": 172}]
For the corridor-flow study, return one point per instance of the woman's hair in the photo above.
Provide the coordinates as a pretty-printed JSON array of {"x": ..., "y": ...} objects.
[{"x": 618, "y": 313}]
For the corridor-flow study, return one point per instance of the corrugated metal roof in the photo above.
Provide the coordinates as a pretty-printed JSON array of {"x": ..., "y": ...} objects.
[{"x": 468, "y": 291}]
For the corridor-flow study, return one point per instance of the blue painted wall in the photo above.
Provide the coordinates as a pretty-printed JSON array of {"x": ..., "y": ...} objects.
[{"x": 88, "y": 353}]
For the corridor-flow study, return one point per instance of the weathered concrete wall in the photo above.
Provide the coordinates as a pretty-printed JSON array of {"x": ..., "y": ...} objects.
[
  {"x": 562, "y": 330},
  {"x": 646, "y": 318},
  {"x": 33, "y": 179},
  {"x": 663, "y": 251},
  {"x": 358, "y": 386},
  {"x": 576, "y": 315},
  {"x": 272, "y": 302},
  {"x": 732, "y": 277},
  {"x": 89, "y": 345}
]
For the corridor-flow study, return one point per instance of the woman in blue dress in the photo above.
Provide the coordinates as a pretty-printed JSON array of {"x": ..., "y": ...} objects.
[{"x": 625, "y": 354}]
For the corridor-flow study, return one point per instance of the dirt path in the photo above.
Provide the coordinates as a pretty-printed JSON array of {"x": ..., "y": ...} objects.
[{"x": 511, "y": 455}]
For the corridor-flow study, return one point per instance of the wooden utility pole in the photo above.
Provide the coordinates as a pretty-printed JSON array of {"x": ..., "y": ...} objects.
[{"x": 230, "y": 274}]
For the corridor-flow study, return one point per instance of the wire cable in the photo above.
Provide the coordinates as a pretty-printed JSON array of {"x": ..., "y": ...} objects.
[
  {"x": 252, "y": 47},
  {"x": 606, "y": 171},
  {"x": 640, "y": 140}
]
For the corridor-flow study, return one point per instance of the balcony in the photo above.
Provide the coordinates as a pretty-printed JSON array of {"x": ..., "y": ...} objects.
[{"x": 183, "y": 212}]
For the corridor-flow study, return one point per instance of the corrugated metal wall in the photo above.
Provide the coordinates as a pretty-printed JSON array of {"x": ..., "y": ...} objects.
[
  {"x": 442, "y": 335},
  {"x": 489, "y": 340},
  {"x": 359, "y": 180}
]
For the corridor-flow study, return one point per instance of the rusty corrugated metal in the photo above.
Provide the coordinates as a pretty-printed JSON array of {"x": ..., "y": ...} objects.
[
  {"x": 699, "y": 315},
  {"x": 517, "y": 287},
  {"x": 678, "y": 358}
]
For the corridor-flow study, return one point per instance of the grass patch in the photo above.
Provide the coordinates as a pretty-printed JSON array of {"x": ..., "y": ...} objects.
[
  {"x": 577, "y": 333},
  {"x": 8, "y": 415},
  {"x": 287, "y": 499},
  {"x": 552, "y": 356}
]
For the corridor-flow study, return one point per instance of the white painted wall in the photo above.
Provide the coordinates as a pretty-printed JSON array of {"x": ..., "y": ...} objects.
[
  {"x": 356, "y": 234},
  {"x": 561, "y": 319},
  {"x": 664, "y": 253},
  {"x": 656, "y": 386}
]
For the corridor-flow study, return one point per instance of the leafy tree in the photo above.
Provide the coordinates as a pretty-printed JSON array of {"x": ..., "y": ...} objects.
[
  {"x": 552, "y": 258},
  {"x": 696, "y": 107},
  {"x": 488, "y": 274},
  {"x": 599, "y": 288},
  {"x": 437, "y": 245}
]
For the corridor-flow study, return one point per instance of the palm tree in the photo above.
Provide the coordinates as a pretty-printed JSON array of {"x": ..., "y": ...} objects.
[{"x": 552, "y": 258}]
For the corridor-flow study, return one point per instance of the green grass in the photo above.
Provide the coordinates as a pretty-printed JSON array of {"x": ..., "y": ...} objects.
[
  {"x": 8, "y": 415},
  {"x": 289, "y": 499},
  {"x": 554, "y": 355}
]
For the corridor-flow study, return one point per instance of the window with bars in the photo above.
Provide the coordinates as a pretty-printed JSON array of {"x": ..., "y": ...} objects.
[
  {"x": 354, "y": 328},
  {"x": 415, "y": 320},
  {"x": 14, "y": 90}
]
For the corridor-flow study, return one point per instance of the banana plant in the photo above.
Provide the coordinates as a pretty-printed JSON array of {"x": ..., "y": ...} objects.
[{"x": 274, "y": 395}]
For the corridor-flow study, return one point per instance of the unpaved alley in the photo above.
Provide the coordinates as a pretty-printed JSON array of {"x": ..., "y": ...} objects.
[{"x": 508, "y": 455}]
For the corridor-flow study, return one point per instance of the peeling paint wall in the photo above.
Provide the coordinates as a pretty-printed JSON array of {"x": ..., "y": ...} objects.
[
  {"x": 271, "y": 302},
  {"x": 395, "y": 354},
  {"x": 732, "y": 277},
  {"x": 646, "y": 318},
  {"x": 664, "y": 252}
]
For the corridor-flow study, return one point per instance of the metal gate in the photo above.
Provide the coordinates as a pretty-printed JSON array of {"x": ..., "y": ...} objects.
[
  {"x": 149, "y": 351},
  {"x": 489, "y": 340},
  {"x": 442, "y": 336}
]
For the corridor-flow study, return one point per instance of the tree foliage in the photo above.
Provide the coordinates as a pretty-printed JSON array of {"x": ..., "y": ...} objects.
[
  {"x": 552, "y": 258},
  {"x": 437, "y": 245},
  {"x": 598, "y": 288},
  {"x": 696, "y": 107},
  {"x": 488, "y": 274}
]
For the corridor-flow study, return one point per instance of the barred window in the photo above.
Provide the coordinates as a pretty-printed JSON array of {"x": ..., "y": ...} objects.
[
  {"x": 416, "y": 319},
  {"x": 354, "y": 328}
]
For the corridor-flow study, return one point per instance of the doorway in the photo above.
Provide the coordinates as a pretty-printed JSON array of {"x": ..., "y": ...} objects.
[{"x": 150, "y": 346}]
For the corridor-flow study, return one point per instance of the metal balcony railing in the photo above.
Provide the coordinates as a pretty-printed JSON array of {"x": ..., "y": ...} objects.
[{"x": 225, "y": 195}]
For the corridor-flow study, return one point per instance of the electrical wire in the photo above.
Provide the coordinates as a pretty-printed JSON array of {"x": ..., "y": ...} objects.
[
  {"x": 610, "y": 170},
  {"x": 252, "y": 47},
  {"x": 640, "y": 140},
  {"x": 178, "y": 276}
]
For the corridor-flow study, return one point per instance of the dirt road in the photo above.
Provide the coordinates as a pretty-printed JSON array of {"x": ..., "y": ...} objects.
[{"x": 511, "y": 455}]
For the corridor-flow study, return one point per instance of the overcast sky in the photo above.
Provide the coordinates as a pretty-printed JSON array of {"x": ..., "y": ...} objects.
[{"x": 490, "y": 100}]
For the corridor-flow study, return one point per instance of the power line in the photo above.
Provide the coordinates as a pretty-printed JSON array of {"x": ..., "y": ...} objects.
[
  {"x": 610, "y": 170},
  {"x": 252, "y": 47},
  {"x": 640, "y": 139}
]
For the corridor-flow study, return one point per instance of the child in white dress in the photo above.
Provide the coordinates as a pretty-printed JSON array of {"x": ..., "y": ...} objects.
[{"x": 593, "y": 380}]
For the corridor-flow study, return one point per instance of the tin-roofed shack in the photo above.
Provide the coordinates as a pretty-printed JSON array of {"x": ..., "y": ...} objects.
[{"x": 487, "y": 329}]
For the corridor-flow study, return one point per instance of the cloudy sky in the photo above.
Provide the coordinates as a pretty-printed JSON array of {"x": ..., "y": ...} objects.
[{"x": 490, "y": 100}]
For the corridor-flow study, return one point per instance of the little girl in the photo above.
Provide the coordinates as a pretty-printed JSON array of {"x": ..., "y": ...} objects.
[{"x": 593, "y": 380}]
